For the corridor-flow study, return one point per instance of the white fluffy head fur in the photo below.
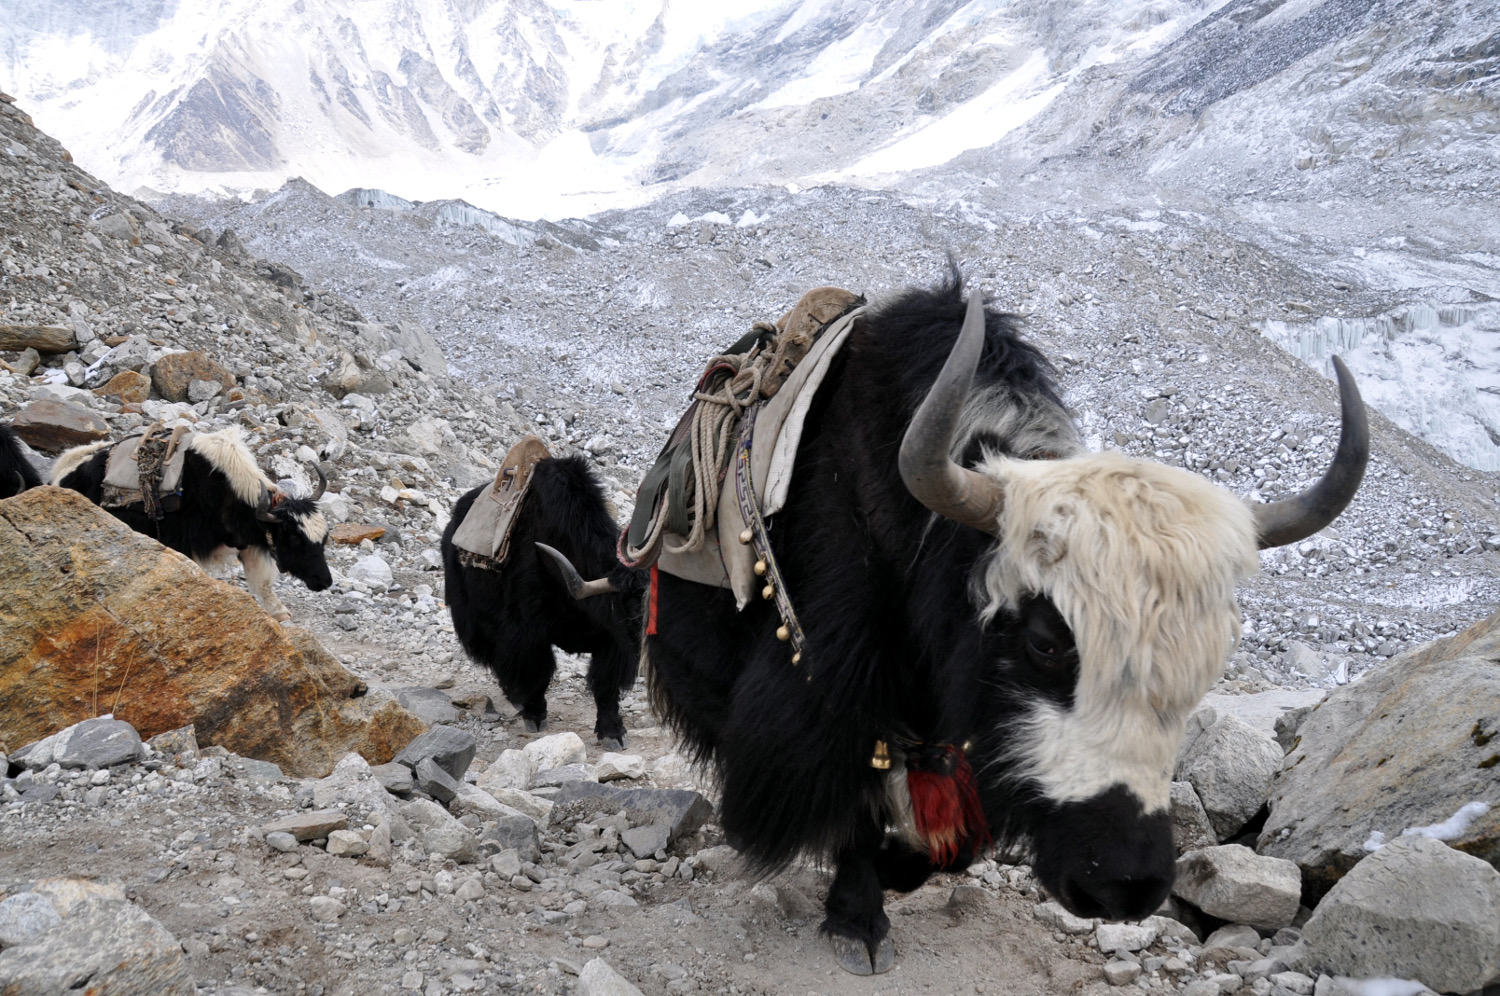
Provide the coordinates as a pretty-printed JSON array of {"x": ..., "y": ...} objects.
[
  {"x": 1141, "y": 559},
  {"x": 72, "y": 459},
  {"x": 227, "y": 450}
]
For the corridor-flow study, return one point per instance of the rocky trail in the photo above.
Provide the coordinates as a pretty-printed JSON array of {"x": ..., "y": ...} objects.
[{"x": 404, "y": 356}]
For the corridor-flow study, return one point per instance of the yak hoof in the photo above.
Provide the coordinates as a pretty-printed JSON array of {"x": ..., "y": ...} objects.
[
  {"x": 612, "y": 743},
  {"x": 534, "y": 725},
  {"x": 282, "y": 617},
  {"x": 855, "y": 957}
]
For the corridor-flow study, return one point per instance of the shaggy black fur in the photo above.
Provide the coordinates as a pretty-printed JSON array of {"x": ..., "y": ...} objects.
[
  {"x": 16, "y": 472},
  {"x": 211, "y": 517},
  {"x": 882, "y": 589},
  {"x": 510, "y": 619}
]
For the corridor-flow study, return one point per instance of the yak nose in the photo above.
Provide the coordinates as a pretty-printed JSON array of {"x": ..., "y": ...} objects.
[{"x": 1106, "y": 857}]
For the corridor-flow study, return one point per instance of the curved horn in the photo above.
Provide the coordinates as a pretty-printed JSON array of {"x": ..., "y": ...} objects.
[
  {"x": 577, "y": 586},
  {"x": 932, "y": 477},
  {"x": 1278, "y": 523},
  {"x": 20, "y": 482},
  {"x": 263, "y": 508},
  {"x": 322, "y": 482}
]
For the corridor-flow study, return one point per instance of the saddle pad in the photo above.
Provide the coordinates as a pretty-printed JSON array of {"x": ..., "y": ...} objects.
[
  {"x": 123, "y": 473},
  {"x": 778, "y": 434},
  {"x": 485, "y": 531}
]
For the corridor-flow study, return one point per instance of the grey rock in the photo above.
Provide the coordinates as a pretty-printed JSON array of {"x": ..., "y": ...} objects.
[
  {"x": 1413, "y": 897},
  {"x": 346, "y": 843},
  {"x": 965, "y": 900},
  {"x": 1120, "y": 972},
  {"x": 451, "y": 842},
  {"x": 1230, "y": 765},
  {"x": 1191, "y": 829},
  {"x": 429, "y": 705},
  {"x": 1264, "y": 710},
  {"x": 449, "y": 747},
  {"x": 598, "y": 979},
  {"x": 326, "y": 909},
  {"x": 515, "y": 832},
  {"x": 282, "y": 841},
  {"x": 1124, "y": 936},
  {"x": 309, "y": 825},
  {"x": 1235, "y": 935},
  {"x": 395, "y": 778},
  {"x": 1234, "y": 883},
  {"x": 24, "y": 915},
  {"x": 646, "y": 841},
  {"x": 1401, "y": 748},
  {"x": 436, "y": 782},
  {"x": 565, "y": 773},
  {"x": 1338, "y": 985},
  {"x": 611, "y": 899},
  {"x": 259, "y": 771},
  {"x": 94, "y": 743},
  {"x": 110, "y": 946},
  {"x": 681, "y": 811}
]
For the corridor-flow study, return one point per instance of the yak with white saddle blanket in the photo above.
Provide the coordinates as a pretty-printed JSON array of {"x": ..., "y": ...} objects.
[
  {"x": 203, "y": 495},
  {"x": 510, "y": 608}
]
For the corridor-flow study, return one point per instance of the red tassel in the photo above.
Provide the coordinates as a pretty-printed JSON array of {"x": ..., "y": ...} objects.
[
  {"x": 946, "y": 808},
  {"x": 651, "y": 605}
]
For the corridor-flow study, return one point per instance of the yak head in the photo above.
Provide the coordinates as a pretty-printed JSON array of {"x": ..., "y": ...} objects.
[
  {"x": 1115, "y": 578},
  {"x": 297, "y": 532}
]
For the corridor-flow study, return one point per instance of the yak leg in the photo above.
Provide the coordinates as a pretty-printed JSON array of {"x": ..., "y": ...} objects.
[
  {"x": 530, "y": 672},
  {"x": 608, "y": 670},
  {"x": 260, "y": 572},
  {"x": 855, "y": 921}
]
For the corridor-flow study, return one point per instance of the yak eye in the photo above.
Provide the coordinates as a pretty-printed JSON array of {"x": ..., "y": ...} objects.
[{"x": 1042, "y": 647}]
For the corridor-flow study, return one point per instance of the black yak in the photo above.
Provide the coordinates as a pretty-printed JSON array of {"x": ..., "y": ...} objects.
[
  {"x": 16, "y": 472},
  {"x": 509, "y": 616},
  {"x": 1003, "y": 633},
  {"x": 227, "y": 504}
]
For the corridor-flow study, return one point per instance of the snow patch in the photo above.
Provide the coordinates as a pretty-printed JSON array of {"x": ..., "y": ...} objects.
[{"x": 1454, "y": 826}]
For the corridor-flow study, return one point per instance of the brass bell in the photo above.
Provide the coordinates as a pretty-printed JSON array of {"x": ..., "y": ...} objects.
[
  {"x": 881, "y": 759},
  {"x": 768, "y": 591},
  {"x": 783, "y": 634},
  {"x": 746, "y": 536},
  {"x": 760, "y": 567},
  {"x": 797, "y": 658}
]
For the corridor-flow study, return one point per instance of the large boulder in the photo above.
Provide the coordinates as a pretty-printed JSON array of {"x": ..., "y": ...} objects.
[
  {"x": 1408, "y": 746},
  {"x": 92, "y": 940},
  {"x": 174, "y": 373},
  {"x": 1415, "y": 909},
  {"x": 100, "y": 619},
  {"x": 53, "y": 426},
  {"x": 1230, "y": 765},
  {"x": 1234, "y": 883}
]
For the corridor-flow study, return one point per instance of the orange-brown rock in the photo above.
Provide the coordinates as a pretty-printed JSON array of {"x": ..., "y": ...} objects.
[
  {"x": 172, "y": 374},
  {"x": 353, "y": 533},
  {"x": 99, "y": 619},
  {"x": 53, "y": 426},
  {"x": 127, "y": 385}
]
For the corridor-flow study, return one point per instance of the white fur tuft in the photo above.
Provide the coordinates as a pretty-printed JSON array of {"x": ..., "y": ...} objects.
[
  {"x": 227, "y": 451},
  {"x": 72, "y": 459},
  {"x": 1141, "y": 559}
]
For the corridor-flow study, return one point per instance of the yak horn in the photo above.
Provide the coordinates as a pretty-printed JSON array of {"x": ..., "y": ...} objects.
[
  {"x": 263, "y": 508},
  {"x": 20, "y": 482},
  {"x": 322, "y": 482},
  {"x": 1278, "y": 523},
  {"x": 577, "y": 586},
  {"x": 931, "y": 476}
]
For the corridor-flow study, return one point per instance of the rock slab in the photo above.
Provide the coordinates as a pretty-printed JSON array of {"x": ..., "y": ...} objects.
[
  {"x": 448, "y": 747},
  {"x": 101, "y": 742},
  {"x": 1234, "y": 883},
  {"x": 53, "y": 426},
  {"x": 1409, "y": 900},
  {"x": 1230, "y": 765},
  {"x": 1407, "y": 746},
  {"x": 598, "y": 979},
  {"x": 99, "y": 618},
  {"x": 681, "y": 811}
]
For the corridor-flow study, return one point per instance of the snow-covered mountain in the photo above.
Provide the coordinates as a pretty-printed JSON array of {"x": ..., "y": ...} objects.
[{"x": 532, "y": 107}]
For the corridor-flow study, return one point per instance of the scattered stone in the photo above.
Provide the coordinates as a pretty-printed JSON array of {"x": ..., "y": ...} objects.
[
  {"x": 326, "y": 909},
  {"x": 372, "y": 570},
  {"x": 611, "y": 899},
  {"x": 535, "y": 807},
  {"x": 1234, "y": 883},
  {"x": 1235, "y": 935},
  {"x": 1405, "y": 747},
  {"x": 130, "y": 387},
  {"x": 1121, "y": 973},
  {"x": 1191, "y": 829},
  {"x": 173, "y": 374},
  {"x": 1054, "y": 915},
  {"x": 451, "y": 842},
  {"x": 646, "y": 841},
  {"x": 1230, "y": 765},
  {"x": 53, "y": 426},
  {"x": 518, "y": 833},
  {"x": 555, "y": 751},
  {"x": 429, "y": 705},
  {"x": 353, "y": 534},
  {"x": 24, "y": 915},
  {"x": 449, "y": 747},
  {"x": 1124, "y": 936},
  {"x": 511, "y": 770},
  {"x": 470, "y": 891},
  {"x": 598, "y": 979},
  {"x": 1413, "y": 897},
  {"x": 282, "y": 841},
  {"x": 552, "y": 777},
  {"x": 346, "y": 844},
  {"x": 681, "y": 811},
  {"x": 432, "y": 779},
  {"x": 93, "y": 743},
  {"x": 612, "y": 767},
  {"x": 969, "y": 899},
  {"x": 42, "y": 338},
  {"x": 308, "y": 825},
  {"x": 396, "y": 779}
]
